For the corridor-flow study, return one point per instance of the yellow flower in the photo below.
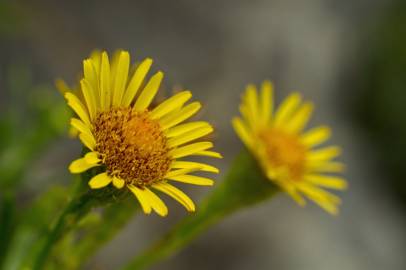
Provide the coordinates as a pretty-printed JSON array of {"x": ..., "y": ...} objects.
[
  {"x": 286, "y": 152},
  {"x": 134, "y": 145}
]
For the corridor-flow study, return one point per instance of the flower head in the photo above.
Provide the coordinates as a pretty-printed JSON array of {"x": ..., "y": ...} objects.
[
  {"x": 134, "y": 145},
  {"x": 285, "y": 151}
]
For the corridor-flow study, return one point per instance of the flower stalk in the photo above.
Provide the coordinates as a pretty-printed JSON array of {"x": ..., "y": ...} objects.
[
  {"x": 84, "y": 199},
  {"x": 244, "y": 186}
]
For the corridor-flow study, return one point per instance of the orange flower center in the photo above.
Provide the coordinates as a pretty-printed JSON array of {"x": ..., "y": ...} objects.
[
  {"x": 285, "y": 153},
  {"x": 133, "y": 146}
]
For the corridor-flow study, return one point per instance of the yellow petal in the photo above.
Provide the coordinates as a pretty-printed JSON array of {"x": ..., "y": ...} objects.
[
  {"x": 300, "y": 118},
  {"x": 142, "y": 198},
  {"x": 189, "y": 136},
  {"x": 323, "y": 166},
  {"x": 324, "y": 154},
  {"x": 96, "y": 58},
  {"x": 293, "y": 193},
  {"x": 190, "y": 149},
  {"x": 251, "y": 100},
  {"x": 90, "y": 97},
  {"x": 266, "y": 101},
  {"x": 177, "y": 194},
  {"x": 286, "y": 109},
  {"x": 62, "y": 86},
  {"x": 120, "y": 79},
  {"x": 73, "y": 132},
  {"x": 171, "y": 104},
  {"x": 180, "y": 116},
  {"x": 312, "y": 190},
  {"x": 92, "y": 157},
  {"x": 99, "y": 181},
  {"x": 242, "y": 131},
  {"x": 90, "y": 75},
  {"x": 136, "y": 82},
  {"x": 324, "y": 199},
  {"x": 105, "y": 91},
  {"x": 80, "y": 126},
  {"x": 156, "y": 203},
  {"x": 87, "y": 140},
  {"x": 80, "y": 165},
  {"x": 316, "y": 136},
  {"x": 182, "y": 171},
  {"x": 113, "y": 70},
  {"x": 252, "y": 121},
  {"x": 148, "y": 94},
  {"x": 327, "y": 181},
  {"x": 192, "y": 179},
  {"x": 78, "y": 107},
  {"x": 118, "y": 182},
  {"x": 190, "y": 164},
  {"x": 183, "y": 128},
  {"x": 208, "y": 154}
]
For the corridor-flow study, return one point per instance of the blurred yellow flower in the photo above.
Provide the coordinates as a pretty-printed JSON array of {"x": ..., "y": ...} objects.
[
  {"x": 285, "y": 151},
  {"x": 134, "y": 145}
]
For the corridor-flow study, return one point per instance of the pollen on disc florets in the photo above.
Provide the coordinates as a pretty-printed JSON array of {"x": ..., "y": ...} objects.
[
  {"x": 133, "y": 146},
  {"x": 284, "y": 151}
]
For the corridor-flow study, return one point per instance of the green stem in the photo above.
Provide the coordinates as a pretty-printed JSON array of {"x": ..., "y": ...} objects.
[
  {"x": 77, "y": 208},
  {"x": 244, "y": 186}
]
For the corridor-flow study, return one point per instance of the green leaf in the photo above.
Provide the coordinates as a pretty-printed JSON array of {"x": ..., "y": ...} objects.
[
  {"x": 31, "y": 227},
  {"x": 82, "y": 202},
  {"x": 244, "y": 186}
]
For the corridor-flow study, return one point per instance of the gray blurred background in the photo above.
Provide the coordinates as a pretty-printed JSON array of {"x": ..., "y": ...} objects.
[{"x": 327, "y": 50}]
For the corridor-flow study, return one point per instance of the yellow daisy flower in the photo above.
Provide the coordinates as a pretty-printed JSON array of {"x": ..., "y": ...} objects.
[
  {"x": 134, "y": 145},
  {"x": 286, "y": 152}
]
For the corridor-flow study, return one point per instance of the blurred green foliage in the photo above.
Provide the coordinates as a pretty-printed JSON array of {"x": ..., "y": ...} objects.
[
  {"x": 32, "y": 119},
  {"x": 34, "y": 116},
  {"x": 381, "y": 105},
  {"x": 11, "y": 18}
]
